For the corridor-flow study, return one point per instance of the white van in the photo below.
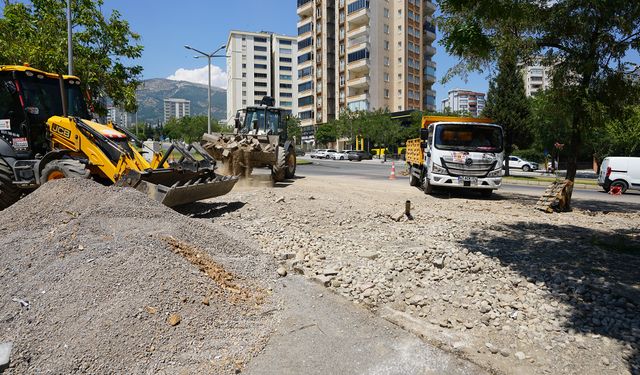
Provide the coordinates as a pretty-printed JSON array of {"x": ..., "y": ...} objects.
[{"x": 620, "y": 171}]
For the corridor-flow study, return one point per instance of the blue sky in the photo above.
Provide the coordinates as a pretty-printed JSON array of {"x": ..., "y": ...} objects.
[{"x": 166, "y": 26}]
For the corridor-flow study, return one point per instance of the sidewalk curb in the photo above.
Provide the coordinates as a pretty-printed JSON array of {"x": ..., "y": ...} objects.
[{"x": 544, "y": 183}]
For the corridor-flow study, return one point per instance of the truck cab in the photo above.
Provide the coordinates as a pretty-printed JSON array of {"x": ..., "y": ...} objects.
[{"x": 457, "y": 152}]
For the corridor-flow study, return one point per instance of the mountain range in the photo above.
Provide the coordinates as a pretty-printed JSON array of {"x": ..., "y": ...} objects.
[{"x": 152, "y": 93}]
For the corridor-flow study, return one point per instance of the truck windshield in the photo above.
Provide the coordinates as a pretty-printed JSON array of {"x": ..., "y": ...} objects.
[
  {"x": 472, "y": 138},
  {"x": 42, "y": 98}
]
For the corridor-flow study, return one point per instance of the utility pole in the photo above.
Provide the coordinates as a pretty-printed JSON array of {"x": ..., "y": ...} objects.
[{"x": 69, "y": 39}]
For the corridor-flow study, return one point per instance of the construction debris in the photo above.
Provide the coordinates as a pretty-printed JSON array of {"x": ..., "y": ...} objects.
[
  {"x": 556, "y": 197},
  {"x": 239, "y": 153}
]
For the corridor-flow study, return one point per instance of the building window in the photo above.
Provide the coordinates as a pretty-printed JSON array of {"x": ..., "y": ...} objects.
[
  {"x": 304, "y": 72},
  {"x": 244, "y": 93},
  {"x": 244, "y": 66},
  {"x": 285, "y": 85},
  {"x": 304, "y": 57},
  {"x": 259, "y": 66},
  {"x": 386, "y": 77},
  {"x": 386, "y": 28},
  {"x": 307, "y": 100},
  {"x": 260, "y": 48},
  {"x": 305, "y": 43},
  {"x": 259, "y": 39},
  {"x": 286, "y": 104},
  {"x": 386, "y": 45},
  {"x": 305, "y": 86},
  {"x": 386, "y": 13},
  {"x": 260, "y": 75},
  {"x": 260, "y": 84},
  {"x": 358, "y": 55},
  {"x": 285, "y": 42},
  {"x": 357, "y": 5},
  {"x": 306, "y": 115},
  {"x": 285, "y": 51},
  {"x": 285, "y": 59},
  {"x": 260, "y": 93},
  {"x": 285, "y": 77},
  {"x": 304, "y": 28},
  {"x": 386, "y": 61},
  {"x": 386, "y": 93},
  {"x": 285, "y": 68},
  {"x": 286, "y": 95}
]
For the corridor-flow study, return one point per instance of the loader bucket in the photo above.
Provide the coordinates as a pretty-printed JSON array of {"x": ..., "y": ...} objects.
[{"x": 174, "y": 187}]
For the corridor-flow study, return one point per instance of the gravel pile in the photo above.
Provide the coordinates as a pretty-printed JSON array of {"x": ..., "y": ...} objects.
[
  {"x": 505, "y": 285},
  {"x": 104, "y": 280}
]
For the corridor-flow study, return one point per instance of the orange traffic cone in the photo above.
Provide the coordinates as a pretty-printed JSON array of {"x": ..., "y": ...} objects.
[{"x": 392, "y": 176}]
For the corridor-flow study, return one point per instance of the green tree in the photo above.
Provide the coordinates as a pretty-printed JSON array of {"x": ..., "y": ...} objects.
[
  {"x": 619, "y": 137},
  {"x": 191, "y": 128},
  {"x": 507, "y": 104},
  {"x": 586, "y": 41},
  {"x": 36, "y": 33},
  {"x": 293, "y": 128},
  {"x": 326, "y": 133}
]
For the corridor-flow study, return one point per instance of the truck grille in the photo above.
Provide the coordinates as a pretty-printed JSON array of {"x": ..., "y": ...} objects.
[{"x": 478, "y": 168}]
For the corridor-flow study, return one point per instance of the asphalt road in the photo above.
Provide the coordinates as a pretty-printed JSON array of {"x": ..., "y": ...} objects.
[{"x": 376, "y": 170}]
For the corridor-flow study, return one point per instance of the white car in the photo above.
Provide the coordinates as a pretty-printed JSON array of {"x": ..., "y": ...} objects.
[
  {"x": 340, "y": 155},
  {"x": 623, "y": 172},
  {"x": 318, "y": 153},
  {"x": 526, "y": 166}
]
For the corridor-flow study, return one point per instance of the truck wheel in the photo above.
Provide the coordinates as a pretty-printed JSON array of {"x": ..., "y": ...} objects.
[
  {"x": 63, "y": 168},
  {"x": 292, "y": 163},
  {"x": 413, "y": 180},
  {"x": 9, "y": 193},
  {"x": 279, "y": 170},
  {"x": 622, "y": 184},
  {"x": 427, "y": 187}
]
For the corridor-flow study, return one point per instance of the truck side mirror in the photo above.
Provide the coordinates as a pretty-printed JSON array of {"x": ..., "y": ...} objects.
[{"x": 424, "y": 134}]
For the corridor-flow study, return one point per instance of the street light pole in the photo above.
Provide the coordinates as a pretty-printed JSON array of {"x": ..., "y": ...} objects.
[
  {"x": 209, "y": 56},
  {"x": 69, "y": 39}
]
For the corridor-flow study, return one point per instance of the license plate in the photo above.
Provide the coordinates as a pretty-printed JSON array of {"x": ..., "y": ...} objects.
[{"x": 473, "y": 180}]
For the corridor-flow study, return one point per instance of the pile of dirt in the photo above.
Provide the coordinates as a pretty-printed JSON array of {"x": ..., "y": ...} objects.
[{"x": 104, "y": 280}]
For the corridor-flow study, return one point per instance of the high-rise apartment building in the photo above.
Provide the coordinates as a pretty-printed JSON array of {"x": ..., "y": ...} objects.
[
  {"x": 176, "y": 108},
  {"x": 364, "y": 55},
  {"x": 460, "y": 100},
  {"x": 537, "y": 77},
  {"x": 261, "y": 64}
]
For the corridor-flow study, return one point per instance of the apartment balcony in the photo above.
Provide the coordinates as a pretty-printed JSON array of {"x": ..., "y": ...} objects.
[
  {"x": 305, "y": 64},
  {"x": 307, "y": 107},
  {"x": 430, "y": 78},
  {"x": 428, "y": 9},
  {"x": 359, "y": 66},
  {"x": 358, "y": 45},
  {"x": 359, "y": 82},
  {"x": 305, "y": 8},
  {"x": 358, "y": 97},
  {"x": 359, "y": 18},
  {"x": 358, "y": 31},
  {"x": 429, "y": 36},
  {"x": 430, "y": 93},
  {"x": 429, "y": 50}
]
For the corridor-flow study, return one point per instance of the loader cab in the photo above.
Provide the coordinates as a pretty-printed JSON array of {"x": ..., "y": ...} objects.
[
  {"x": 263, "y": 120},
  {"x": 28, "y": 98}
]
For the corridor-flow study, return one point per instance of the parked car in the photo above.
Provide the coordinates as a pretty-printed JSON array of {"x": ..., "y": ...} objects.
[
  {"x": 526, "y": 166},
  {"x": 319, "y": 153},
  {"x": 620, "y": 171},
  {"x": 340, "y": 155},
  {"x": 299, "y": 152},
  {"x": 329, "y": 153},
  {"x": 359, "y": 155}
]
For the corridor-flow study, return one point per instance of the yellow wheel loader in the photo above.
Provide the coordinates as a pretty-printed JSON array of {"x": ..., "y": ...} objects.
[{"x": 45, "y": 135}]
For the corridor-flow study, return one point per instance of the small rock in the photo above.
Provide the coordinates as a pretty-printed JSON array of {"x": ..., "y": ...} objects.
[
  {"x": 520, "y": 355},
  {"x": 439, "y": 262},
  {"x": 491, "y": 347},
  {"x": 485, "y": 307},
  {"x": 174, "y": 320},
  {"x": 505, "y": 352},
  {"x": 205, "y": 300},
  {"x": 369, "y": 255},
  {"x": 469, "y": 325},
  {"x": 280, "y": 200},
  {"x": 151, "y": 310},
  {"x": 605, "y": 361},
  {"x": 282, "y": 271}
]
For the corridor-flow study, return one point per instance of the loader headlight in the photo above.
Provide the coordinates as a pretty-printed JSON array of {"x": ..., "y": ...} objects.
[
  {"x": 495, "y": 173},
  {"x": 438, "y": 169}
]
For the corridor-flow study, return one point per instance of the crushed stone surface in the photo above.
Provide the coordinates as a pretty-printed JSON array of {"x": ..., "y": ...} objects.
[
  {"x": 511, "y": 288},
  {"x": 104, "y": 280}
]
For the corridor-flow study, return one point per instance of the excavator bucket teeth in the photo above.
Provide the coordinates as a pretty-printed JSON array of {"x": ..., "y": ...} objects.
[{"x": 177, "y": 187}]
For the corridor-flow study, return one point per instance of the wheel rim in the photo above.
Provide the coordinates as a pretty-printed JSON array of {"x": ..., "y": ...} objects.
[
  {"x": 291, "y": 162},
  {"x": 55, "y": 175}
]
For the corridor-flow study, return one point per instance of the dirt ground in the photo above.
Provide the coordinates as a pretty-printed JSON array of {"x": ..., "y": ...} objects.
[
  {"x": 99, "y": 280},
  {"x": 513, "y": 289}
]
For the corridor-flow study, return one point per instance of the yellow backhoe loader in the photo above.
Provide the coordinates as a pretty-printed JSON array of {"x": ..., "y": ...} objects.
[{"x": 45, "y": 134}]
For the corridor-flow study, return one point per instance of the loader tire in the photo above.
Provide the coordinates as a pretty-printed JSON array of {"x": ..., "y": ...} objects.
[
  {"x": 64, "y": 168},
  {"x": 290, "y": 171},
  {"x": 9, "y": 193},
  {"x": 283, "y": 167}
]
